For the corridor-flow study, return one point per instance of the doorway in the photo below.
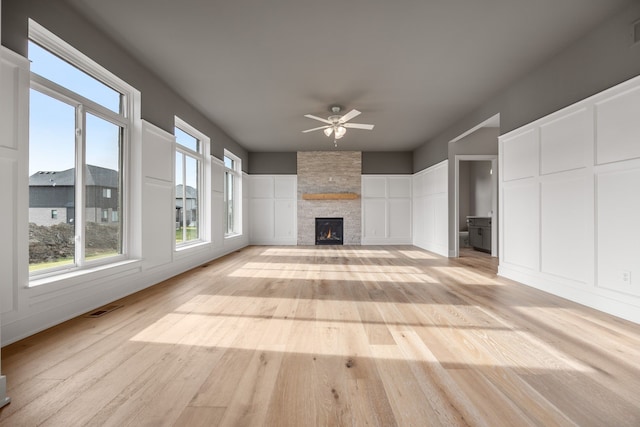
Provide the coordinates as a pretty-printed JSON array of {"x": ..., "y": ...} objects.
[{"x": 476, "y": 203}]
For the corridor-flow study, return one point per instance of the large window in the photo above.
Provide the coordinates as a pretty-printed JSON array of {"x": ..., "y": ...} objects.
[
  {"x": 232, "y": 193},
  {"x": 79, "y": 121},
  {"x": 191, "y": 149}
]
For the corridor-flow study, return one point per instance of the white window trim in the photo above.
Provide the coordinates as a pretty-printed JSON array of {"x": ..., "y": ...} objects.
[
  {"x": 204, "y": 183},
  {"x": 237, "y": 173},
  {"x": 132, "y": 125}
]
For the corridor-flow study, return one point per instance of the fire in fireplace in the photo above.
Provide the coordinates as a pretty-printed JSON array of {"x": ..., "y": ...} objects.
[{"x": 329, "y": 231}]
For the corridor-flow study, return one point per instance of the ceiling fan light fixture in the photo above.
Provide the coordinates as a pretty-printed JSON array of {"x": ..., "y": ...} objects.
[
  {"x": 328, "y": 131},
  {"x": 340, "y": 131}
]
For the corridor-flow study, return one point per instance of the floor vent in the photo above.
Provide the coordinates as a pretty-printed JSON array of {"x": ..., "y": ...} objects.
[{"x": 104, "y": 310}]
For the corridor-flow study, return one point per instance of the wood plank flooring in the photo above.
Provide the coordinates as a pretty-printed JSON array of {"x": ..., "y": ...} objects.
[{"x": 331, "y": 336}]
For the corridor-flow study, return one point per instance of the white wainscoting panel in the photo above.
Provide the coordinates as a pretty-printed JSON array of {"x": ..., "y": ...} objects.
[
  {"x": 566, "y": 221},
  {"x": 261, "y": 212},
  {"x": 8, "y": 256},
  {"x": 285, "y": 220},
  {"x": 431, "y": 209},
  {"x": 520, "y": 156},
  {"x": 262, "y": 187},
  {"x": 273, "y": 209},
  {"x": 284, "y": 187},
  {"x": 400, "y": 218},
  {"x": 374, "y": 219},
  {"x": 374, "y": 186},
  {"x": 569, "y": 218},
  {"x": 618, "y": 126},
  {"x": 521, "y": 225},
  {"x": 386, "y": 209},
  {"x": 565, "y": 142},
  {"x": 158, "y": 228},
  {"x": 618, "y": 206},
  {"x": 158, "y": 157}
]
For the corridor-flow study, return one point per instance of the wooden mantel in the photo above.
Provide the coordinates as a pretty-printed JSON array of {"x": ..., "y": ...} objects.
[{"x": 330, "y": 196}]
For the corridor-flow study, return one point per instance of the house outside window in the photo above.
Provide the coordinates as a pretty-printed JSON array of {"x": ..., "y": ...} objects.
[
  {"x": 79, "y": 121},
  {"x": 232, "y": 194},
  {"x": 191, "y": 150}
]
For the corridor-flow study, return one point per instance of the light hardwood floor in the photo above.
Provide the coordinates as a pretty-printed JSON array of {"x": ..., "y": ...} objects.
[{"x": 308, "y": 336}]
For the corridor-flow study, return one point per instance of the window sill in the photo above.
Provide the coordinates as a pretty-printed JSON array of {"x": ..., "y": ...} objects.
[
  {"x": 81, "y": 276},
  {"x": 192, "y": 245},
  {"x": 232, "y": 235}
]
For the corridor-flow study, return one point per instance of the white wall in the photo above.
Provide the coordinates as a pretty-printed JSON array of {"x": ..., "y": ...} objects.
[
  {"x": 386, "y": 210},
  {"x": 6, "y": 242},
  {"x": 569, "y": 200},
  {"x": 28, "y": 307},
  {"x": 430, "y": 209},
  {"x": 272, "y": 210}
]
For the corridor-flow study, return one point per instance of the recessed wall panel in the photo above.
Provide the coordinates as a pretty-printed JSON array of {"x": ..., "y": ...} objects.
[
  {"x": 618, "y": 233},
  {"x": 521, "y": 224},
  {"x": 262, "y": 215},
  {"x": 400, "y": 218},
  {"x": 564, "y": 142},
  {"x": 157, "y": 152},
  {"x": 285, "y": 219},
  {"x": 374, "y": 186},
  {"x": 618, "y": 127},
  {"x": 158, "y": 227},
  {"x": 565, "y": 216},
  {"x": 399, "y": 187},
  {"x": 520, "y": 156},
  {"x": 284, "y": 187},
  {"x": 8, "y": 258},
  {"x": 374, "y": 218},
  {"x": 261, "y": 187}
]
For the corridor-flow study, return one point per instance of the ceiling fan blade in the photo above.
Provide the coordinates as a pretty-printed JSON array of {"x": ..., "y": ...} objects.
[
  {"x": 350, "y": 115},
  {"x": 318, "y": 118},
  {"x": 311, "y": 130},
  {"x": 358, "y": 126}
]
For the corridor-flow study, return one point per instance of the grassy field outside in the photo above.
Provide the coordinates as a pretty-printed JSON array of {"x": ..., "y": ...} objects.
[{"x": 192, "y": 234}]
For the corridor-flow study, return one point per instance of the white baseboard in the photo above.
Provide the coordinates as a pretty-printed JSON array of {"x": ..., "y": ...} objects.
[{"x": 588, "y": 295}]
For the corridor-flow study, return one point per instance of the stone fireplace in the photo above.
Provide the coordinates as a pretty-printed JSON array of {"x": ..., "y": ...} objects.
[{"x": 330, "y": 175}]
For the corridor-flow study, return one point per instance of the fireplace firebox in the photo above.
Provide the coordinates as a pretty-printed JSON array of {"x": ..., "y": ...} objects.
[{"x": 329, "y": 231}]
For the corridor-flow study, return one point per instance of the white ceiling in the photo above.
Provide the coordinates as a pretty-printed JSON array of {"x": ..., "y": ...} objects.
[{"x": 412, "y": 67}]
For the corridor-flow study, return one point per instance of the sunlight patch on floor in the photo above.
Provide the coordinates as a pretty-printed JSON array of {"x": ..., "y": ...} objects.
[
  {"x": 419, "y": 255},
  {"x": 332, "y": 252},
  {"x": 334, "y": 272},
  {"x": 330, "y": 338}
]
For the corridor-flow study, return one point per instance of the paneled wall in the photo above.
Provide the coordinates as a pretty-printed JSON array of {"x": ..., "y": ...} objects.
[
  {"x": 272, "y": 210},
  {"x": 430, "y": 209},
  {"x": 569, "y": 199},
  {"x": 386, "y": 209},
  {"x": 28, "y": 307}
]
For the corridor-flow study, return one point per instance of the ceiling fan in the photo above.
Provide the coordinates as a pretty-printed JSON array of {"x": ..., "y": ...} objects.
[{"x": 337, "y": 124}]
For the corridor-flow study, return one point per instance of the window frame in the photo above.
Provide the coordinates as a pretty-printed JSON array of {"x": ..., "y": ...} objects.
[
  {"x": 128, "y": 120},
  {"x": 236, "y": 173},
  {"x": 204, "y": 173}
]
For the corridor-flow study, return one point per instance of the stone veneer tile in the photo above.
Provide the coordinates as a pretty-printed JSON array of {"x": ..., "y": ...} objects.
[{"x": 329, "y": 172}]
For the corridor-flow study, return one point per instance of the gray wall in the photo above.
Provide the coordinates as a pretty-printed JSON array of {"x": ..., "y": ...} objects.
[
  {"x": 273, "y": 163},
  {"x": 374, "y": 163},
  {"x": 387, "y": 163},
  {"x": 159, "y": 102},
  {"x": 600, "y": 59}
]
